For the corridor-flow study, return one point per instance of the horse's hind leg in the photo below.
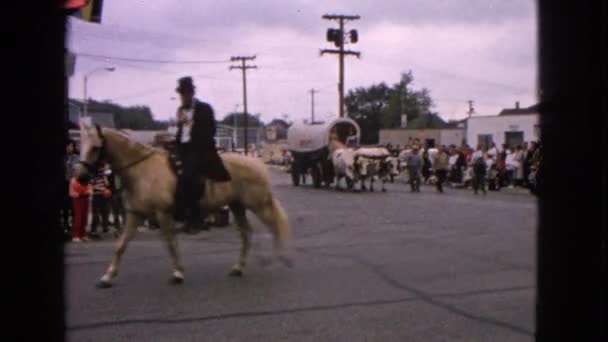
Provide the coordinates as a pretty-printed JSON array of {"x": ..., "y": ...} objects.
[
  {"x": 238, "y": 210},
  {"x": 274, "y": 216},
  {"x": 166, "y": 225},
  {"x": 128, "y": 232}
]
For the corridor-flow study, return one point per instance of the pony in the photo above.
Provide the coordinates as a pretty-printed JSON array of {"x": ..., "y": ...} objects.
[{"x": 150, "y": 185}]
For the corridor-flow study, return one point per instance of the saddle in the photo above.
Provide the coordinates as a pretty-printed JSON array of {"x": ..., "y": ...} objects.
[
  {"x": 219, "y": 217},
  {"x": 175, "y": 162}
]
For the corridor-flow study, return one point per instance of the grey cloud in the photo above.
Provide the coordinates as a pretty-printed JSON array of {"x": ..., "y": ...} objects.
[{"x": 306, "y": 15}]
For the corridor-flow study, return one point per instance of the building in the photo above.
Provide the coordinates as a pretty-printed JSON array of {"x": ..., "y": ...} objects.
[
  {"x": 98, "y": 118},
  {"x": 144, "y": 136},
  {"x": 276, "y": 130},
  {"x": 430, "y": 129},
  {"x": 102, "y": 119},
  {"x": 512, "y": 126}
]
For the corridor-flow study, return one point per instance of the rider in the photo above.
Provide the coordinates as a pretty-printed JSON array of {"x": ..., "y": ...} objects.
[{"x": 198, "y": 154}]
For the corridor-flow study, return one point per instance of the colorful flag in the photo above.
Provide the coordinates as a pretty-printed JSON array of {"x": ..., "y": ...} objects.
[{"x": 87, "y": 10}]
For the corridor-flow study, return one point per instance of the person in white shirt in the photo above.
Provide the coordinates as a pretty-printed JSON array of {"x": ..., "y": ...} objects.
[
  {"x": 493, "y": 150},
  {"x": 477, "y": 154},
  {"x": 511, "y": 164}
]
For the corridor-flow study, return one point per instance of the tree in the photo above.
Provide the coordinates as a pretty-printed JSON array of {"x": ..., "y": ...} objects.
[
  {"x": 252, "y": 120},
  {"x": 133, "y": 117},
  {"x": 380, "y": 106},
  {"x": 365, "y": 106},
  {"x": 405, "y": 100}
]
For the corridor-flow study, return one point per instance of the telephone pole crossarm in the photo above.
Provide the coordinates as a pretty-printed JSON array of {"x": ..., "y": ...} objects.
[
  {"x": 346, "y": 52},
  {"x": 340, "y": 17}
]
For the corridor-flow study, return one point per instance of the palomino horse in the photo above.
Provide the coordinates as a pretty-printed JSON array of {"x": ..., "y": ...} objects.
[{"x": 150, "y": 185}]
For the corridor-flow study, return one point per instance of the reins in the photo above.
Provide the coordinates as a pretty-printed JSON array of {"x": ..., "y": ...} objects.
[
  {"x": 129, "y": 165},
  {"x": 135, "y": 162}
]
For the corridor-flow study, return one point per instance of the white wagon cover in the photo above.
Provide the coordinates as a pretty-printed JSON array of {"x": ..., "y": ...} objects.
[{"x": 313, "y": 137}]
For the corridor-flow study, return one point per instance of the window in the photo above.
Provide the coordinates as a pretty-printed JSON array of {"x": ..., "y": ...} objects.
[{"x": 484, "y": 140}]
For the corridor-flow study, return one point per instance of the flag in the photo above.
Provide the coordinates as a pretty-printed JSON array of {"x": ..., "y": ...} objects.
[{"x": 87, "y": 10}]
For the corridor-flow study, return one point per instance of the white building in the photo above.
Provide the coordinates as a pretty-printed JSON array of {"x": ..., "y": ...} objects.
[{"x": 511, "y": 127}]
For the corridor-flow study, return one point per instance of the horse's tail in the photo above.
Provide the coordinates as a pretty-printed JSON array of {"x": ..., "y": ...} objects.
[
  {"x": 275, "y": 217},
  {"x": 281, "y": 221}
]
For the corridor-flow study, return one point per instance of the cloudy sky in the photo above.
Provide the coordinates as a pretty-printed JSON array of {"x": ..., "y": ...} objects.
[{"x": 480, "y": 50}]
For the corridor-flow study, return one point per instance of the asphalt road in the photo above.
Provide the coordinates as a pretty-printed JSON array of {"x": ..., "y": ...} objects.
[{"x": 395, "y": 266}]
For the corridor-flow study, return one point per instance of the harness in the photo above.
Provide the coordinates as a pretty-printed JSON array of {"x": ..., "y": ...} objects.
[{"x": 91, "y": 168}]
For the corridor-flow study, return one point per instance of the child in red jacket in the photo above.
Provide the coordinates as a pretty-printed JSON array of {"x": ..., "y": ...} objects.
[{"x": 80, "y": 194}]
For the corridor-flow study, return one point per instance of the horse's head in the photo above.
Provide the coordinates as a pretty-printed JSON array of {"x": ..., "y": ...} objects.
[{"x": 92, "y": 150}]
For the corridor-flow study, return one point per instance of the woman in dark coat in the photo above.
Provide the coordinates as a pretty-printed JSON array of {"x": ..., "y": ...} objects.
[{"x": 426, "y": 165}]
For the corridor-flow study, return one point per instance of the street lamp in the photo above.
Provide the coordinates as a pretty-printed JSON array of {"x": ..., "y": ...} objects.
[{"x": 86, "y": 78}]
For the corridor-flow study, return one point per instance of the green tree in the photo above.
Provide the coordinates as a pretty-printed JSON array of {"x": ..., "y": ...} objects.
[
  {"x": 405, "y": 100},
  {"x": 133, "y": 117},
  {"x": 366, "y": 106},
  {"x": 380, "y": 106},
  {"x": 252, "y": 120}
]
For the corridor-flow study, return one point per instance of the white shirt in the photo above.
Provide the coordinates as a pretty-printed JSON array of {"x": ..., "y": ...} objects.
[
  {"x": 187, "y": 126},
  {"x": 511, "y": 162},
  {"x": 493, "y": 151},
  {"x": 452, "y": 160},
  {"x": 476, "y": 154}
]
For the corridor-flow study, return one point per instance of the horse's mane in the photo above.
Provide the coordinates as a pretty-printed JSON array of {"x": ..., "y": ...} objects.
[{"x": 137, "y": 144}]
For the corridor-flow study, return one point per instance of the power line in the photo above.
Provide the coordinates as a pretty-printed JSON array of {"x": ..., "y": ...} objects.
[{"x": 155, "y": 61}]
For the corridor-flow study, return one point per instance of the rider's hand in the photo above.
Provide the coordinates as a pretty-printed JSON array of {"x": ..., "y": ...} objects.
[{"x": 181, "y": 117}]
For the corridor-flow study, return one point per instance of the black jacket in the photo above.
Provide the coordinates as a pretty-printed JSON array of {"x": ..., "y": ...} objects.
[{"x": 201, "y": 151}]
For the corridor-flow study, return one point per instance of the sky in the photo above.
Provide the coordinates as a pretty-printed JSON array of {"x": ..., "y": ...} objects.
[{"x": 460, "y": 50}]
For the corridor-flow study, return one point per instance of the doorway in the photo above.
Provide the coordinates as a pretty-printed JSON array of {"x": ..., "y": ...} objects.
[{"x": 513, "y": 139}]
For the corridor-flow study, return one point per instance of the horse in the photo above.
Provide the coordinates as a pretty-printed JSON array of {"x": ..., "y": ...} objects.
[{"x": 150, "y": 185}]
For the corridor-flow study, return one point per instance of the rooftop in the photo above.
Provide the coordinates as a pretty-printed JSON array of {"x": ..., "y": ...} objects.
[{"x": 519, "y": 111}]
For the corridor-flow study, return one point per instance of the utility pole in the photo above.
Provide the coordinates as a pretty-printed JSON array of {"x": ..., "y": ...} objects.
[
  {"x": 244, "y": 68},
  {"x": 312, "y": 105},
  {"x": 337, "y": 36},
  {"x": 471, "y": 109}
]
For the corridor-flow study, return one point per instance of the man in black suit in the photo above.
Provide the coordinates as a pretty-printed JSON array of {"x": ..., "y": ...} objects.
[{"x": 196, "y": 147}]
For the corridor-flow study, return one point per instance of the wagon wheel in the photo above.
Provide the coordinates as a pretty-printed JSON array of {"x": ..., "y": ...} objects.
[
  {"x": 328, "y": 173},
  {"x": 316, "y": 176},
  {"x": 295, "y": 174}
]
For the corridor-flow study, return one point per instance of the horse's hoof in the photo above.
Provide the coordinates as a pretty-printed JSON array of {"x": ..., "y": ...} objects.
[
  {"x": 176, "y": 280},
  {"x": 236, "y": 273},
  {"x": 103, "y": 284},
  {"x": 383, "y": 190}
]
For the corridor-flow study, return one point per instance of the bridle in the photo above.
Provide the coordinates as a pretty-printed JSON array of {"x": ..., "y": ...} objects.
[{"x": 91, "y": 167}]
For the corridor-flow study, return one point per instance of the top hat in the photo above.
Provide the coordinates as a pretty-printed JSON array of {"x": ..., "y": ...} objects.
[{"x": 185, "y": 84}]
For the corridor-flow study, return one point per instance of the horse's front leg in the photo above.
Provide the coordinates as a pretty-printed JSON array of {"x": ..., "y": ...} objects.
[
  {"x": 133, "y": 221},
  {"x": 167, "y": 230}
]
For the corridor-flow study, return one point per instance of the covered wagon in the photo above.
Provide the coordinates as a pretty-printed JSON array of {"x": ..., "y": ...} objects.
[{"x": 310, "y": 147}]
